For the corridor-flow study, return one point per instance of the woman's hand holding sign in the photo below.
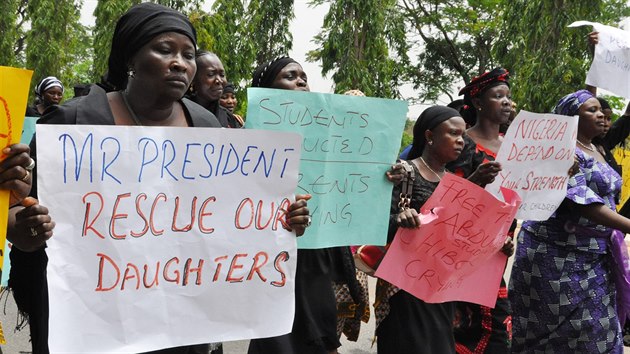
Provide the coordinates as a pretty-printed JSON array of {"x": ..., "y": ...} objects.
[
  {"x": 15, "y": 172},
  {"x": 30, "y": 225},
  {"x": 298, "y": 217}
]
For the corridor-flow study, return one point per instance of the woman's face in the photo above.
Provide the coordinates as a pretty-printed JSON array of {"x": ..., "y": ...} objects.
[
  {"x": 448, "y": 139},
  {"x": 291, "y": 77},
  {"x": 165, "y": 65},
  {"x": 228, "y": 100},
  {"x": 607, "y": 119},
  {"x": 52, "y": 96},
  {"x": 592, "y": 121},
  {"x": 210, "y": 78},
  {"x": 495, "y": 104}
]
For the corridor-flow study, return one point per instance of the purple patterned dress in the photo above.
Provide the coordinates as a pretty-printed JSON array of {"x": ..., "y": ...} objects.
[{"x": 561, "y": 290}]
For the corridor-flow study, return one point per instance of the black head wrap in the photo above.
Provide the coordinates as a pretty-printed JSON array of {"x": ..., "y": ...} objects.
[
  {"x": 136, "y": 28},
  {"x": 228, "y": 88},
  {"x": 265, "y": 74},
  {"x": 428, "y": 120}
]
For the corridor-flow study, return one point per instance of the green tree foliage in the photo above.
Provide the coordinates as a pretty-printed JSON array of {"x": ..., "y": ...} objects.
[
  {"x": 225, "y": 33},
  {"x": 453, "y": 41},
  {"x": 185, "y": 6},
  {"x": 547, "y": 59},
  {"x": 268, "y": 28},
  {"x": 106, "y": 14},
  {"x": 79, "y": 68},
  {"x": 244, "y": 35},
  {"x": 8, "y": 29},
  {"x": 354, "y": 44},
  {"x": 53, "y": 38},
  {"x": 407, "y": 135},
  {"x": 13, "y": 39}
]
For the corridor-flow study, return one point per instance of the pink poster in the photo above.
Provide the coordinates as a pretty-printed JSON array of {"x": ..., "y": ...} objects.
[{"x": 455, "y": 255}]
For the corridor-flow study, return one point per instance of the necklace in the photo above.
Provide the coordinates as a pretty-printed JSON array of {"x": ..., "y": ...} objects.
[
  {"x": 589, "y": 148},
  {"x": 430, "y": 169},
  {"x": 131, "y": 112}
]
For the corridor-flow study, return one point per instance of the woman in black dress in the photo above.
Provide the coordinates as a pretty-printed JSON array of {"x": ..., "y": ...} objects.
[
  {"x": 315, "y": 324},
  {"x": 406, "y": 324}
]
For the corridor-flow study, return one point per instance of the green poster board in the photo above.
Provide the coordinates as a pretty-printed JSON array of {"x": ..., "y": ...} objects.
[{"x": 349, "y": 142}]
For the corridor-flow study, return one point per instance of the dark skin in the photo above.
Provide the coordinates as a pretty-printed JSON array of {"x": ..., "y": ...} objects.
[
  {"x": 437, "y": 161},
  {"x": 13, "y": 174},
  {"x": 15, "y": 178},
  {"x": 229, "y": 101},
  {"x": 591, "y": 123},
  {"x": 447, "y": 144},
  {"x": 494, "y": 108},
  {"x": 50, "y": 97},
  {"x": 294, "y": 78},
  {"x": 164, "y": 69},
  {"x": 209, "y": 80},
  {"x": 25, "y": 218},
  {"x": 291, "y": 77}
]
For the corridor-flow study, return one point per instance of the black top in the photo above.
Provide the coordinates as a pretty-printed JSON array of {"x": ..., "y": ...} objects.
[
  {"x": 225, "y": 117},
  {"x": 618, "y": 132},
  {"x": 31, "y": 111},
  {"x": 422, "y": 190}
]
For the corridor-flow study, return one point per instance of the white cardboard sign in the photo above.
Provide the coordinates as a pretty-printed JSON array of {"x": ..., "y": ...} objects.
[
  {"x": 167, "y": 236},
  {"x": 535, "y": 156},
  {"x": 610, "y": 69}
]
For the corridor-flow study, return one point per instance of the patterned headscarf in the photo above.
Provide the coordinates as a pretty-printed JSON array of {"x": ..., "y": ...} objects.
[
  {"x": 569, "y": 105},
  {"x": 483, "y": 82},
  {"x": 46, "y": 84},
  {"x": 265, "y": 74},
  {"x": 137, "y": 27}
]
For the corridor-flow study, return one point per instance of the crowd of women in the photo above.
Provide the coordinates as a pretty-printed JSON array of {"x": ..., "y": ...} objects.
[{"x": 561, "y": 294}]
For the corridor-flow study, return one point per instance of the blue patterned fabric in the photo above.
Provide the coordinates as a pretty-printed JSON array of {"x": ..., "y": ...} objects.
[
  {"x": 570, "y": 104},
  {"x": 561, "y": 290}
]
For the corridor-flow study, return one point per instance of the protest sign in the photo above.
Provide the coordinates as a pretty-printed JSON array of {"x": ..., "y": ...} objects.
[
  {"x": 167, "y": 236},
  {"x": 349, "y": 143},
  {"x": 610, "y": 69},
  {"x": 535, "y": 156},
  {"x": 14, "y": 84},
  {"x": 28, "y": 130},
  {"x": 455, "y": 255}
]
